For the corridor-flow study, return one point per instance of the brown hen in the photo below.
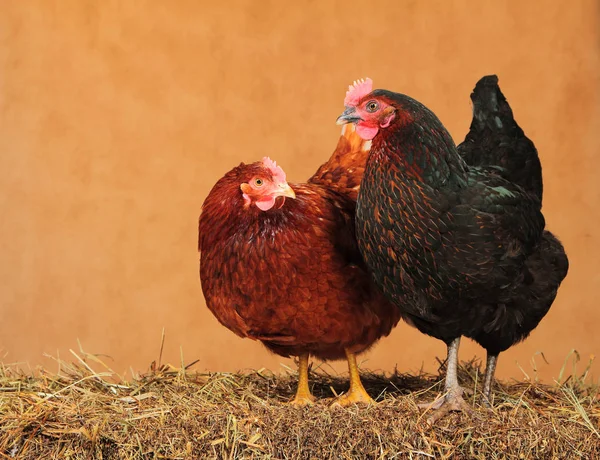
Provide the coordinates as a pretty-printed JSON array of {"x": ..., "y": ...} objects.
[{"x": 279, "y": 263}]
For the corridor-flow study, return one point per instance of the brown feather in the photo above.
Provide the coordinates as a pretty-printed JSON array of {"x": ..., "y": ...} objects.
[
  {"x": 292, "y": 277},
  {"x": 345, "y": 169}
]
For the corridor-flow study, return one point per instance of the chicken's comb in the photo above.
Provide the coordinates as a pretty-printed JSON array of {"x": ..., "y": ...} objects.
[
  {"x": 277, "y": 172},
  {"x": 358, "y": 90}
]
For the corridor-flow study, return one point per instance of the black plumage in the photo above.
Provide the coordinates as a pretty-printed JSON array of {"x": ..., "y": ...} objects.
[
  {"x": 455, "y": 236},
  {"x": 495, "y": 139},
  {"x": 496, "y": 142}
]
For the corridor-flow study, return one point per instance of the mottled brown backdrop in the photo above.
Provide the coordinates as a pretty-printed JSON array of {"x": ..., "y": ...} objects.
[{"x": 116, "y": 118}]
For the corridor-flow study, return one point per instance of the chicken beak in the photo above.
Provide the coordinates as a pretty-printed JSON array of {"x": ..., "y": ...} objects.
[
  {"x": 349, "y": 116},
  {"x": 286, "y": 190}
]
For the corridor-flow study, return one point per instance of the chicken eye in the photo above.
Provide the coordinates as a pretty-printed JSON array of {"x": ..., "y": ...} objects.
[
  {"x": 258, "y": 182},
  {"x": 372, "y": 106}
]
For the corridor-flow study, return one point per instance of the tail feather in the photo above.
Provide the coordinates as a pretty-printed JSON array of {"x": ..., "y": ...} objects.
[
  {"x": 345, "y": 168},
  {"x": 496, "y": 140}
]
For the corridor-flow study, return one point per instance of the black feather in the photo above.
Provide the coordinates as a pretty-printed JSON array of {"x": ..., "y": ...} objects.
[
  {"x": 455, "y": 237},
  {"x": 495, "y": 139}
]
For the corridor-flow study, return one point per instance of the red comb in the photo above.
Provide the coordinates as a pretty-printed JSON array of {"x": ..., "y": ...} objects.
[
  {"x": 277, "y": 172},
  {"x": 358, "y": 90}
]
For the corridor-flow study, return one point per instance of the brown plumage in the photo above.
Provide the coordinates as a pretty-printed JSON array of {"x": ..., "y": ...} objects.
[
  {"x": 345, "y": 169},
  {"x": 289, "y": 273}
]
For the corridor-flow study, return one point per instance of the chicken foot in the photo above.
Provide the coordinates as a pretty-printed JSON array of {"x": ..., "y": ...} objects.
[
  {"x": 356, "y": 393},
  {"x": 490, "y": 369},
  {"x": 303, "y": 395},
  {"x": 452, "y": 399}
]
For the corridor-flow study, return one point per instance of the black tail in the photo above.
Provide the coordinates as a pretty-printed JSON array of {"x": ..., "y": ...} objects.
[{"x": 495, "y": 139}]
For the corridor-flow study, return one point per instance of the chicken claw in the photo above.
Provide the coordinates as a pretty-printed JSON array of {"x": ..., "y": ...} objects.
[
  {"x": 353, "y": 397},
  {"x": 453, "y": 399},
  {"x": 302, "y": 400},
  {"x": 451, "y": 402},
  {"x": 357, "y": 393}
]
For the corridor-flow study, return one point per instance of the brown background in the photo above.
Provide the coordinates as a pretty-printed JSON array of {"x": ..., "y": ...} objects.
[{"x": 117, "y": 117}]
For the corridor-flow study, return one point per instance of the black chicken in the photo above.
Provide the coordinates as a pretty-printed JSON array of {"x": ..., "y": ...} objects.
[{"x": 455, "y": 237}]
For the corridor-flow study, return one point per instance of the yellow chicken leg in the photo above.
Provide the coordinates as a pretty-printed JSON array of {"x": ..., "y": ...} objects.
[
  {"x": 303, "y": 396},
  {"x": 357, "y": 393}
]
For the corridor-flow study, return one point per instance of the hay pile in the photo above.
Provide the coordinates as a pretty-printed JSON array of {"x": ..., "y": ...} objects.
[{"x": 173, "y": 413}]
